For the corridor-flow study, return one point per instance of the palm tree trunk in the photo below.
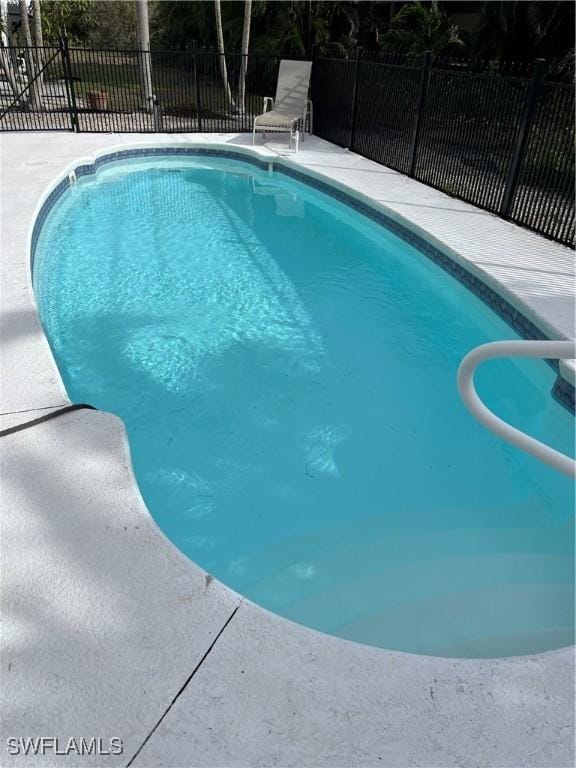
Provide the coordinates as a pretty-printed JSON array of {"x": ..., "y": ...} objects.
[
  {"x": 143, "y": 31},
  {"x": 222, "y": 57},
  {"x": 245, "y": 48},
  {"x": 34, "y": 100},
  {"x": 39, "y": 40}
]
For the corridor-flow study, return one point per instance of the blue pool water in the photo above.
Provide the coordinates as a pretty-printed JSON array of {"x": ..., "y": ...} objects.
[{"x": 286, "y": 370}]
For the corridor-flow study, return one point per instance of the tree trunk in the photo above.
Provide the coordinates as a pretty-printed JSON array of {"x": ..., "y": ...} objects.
[
  {"x": 4, "y": 23},
  {"x": 6, "y": 67},
  {"x": 39, "y": 41},
  {"x": 8, "y": 61},
  {"x": 143, "y": 32},
  {"x": 222, "y": 57},
  {"x": 34, "y": 101},
  {"x": 244, "y": 60}
]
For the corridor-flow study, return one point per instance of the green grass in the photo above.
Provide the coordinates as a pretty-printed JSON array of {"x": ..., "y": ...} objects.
[{"x": 119, "y": 78}]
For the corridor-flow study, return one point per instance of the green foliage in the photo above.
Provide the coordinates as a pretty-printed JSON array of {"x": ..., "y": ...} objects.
[
  {"x": 113, "y": 24},
  {"x": 175, "y": 25},
  {"x": 96, "y": 23},
  {"x": 290, "y": 27},
  {"x": 70, "y": 16},
  {"x": 521, "y": 30},
  {"x": 508, "y": 29},
  {"x": 417, "y": 28}
]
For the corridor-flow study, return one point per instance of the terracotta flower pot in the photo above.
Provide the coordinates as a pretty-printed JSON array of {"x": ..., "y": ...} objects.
[{"x": 97, "y": 99}]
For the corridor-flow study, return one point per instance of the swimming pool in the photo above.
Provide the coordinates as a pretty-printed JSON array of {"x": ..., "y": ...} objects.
[{"x": 286, "y": 370}]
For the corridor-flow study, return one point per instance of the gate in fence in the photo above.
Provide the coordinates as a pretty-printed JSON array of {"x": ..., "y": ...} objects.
[{"x": 34, "y": 92}]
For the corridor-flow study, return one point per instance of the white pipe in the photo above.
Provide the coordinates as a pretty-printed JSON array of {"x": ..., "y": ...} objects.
[{"x": 553, "y": 350}]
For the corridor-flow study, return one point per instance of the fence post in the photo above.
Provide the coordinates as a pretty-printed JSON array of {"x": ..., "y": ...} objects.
[
  {"x": 423, "y": 91},
  {"x": 156, "y": 113},
  {"x": 69, "y": 83},
  {"x": 197, "y": 87},
  {"x": 354, "y": 100},
  {"x": 538, "y": 72}
]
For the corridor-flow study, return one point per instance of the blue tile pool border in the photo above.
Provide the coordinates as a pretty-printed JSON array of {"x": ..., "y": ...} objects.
[{"x": 563, "y": 391}]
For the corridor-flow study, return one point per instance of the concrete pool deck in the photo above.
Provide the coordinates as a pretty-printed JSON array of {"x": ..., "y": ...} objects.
[{"x": 108, "y": 631}]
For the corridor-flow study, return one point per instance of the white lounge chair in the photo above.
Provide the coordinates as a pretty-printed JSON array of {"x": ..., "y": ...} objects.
[{"x": 291, "y": 106}]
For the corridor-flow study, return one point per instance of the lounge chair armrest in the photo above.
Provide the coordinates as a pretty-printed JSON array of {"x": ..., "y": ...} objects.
[{"x": 268, "y": 100}]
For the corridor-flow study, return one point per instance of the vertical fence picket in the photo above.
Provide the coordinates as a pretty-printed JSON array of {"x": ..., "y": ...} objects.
[
  {"x": 197, "y": 87},
  {"x": 523, "y": 134},
  {"x": 419, "y": 117},
  {"x": 354, "y": 100}
]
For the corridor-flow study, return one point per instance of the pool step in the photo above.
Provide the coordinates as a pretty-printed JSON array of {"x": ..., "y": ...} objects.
[
  {"x": 507, "y": 621},
  {"x": 498, "y": 619},
  {"x": 329, "y": 556},
  {"x": 458, "y": 592}
]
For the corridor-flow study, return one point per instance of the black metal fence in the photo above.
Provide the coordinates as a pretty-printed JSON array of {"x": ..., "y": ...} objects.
[
  {"x": 94, "y": 90},
  {"x": 500, "y": 137}
]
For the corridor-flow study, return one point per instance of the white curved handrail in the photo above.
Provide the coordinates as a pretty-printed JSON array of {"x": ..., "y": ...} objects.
[{"x": 553, "y": 350}]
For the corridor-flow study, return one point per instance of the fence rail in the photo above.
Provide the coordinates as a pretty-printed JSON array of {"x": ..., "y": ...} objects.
[{"x": 500, "y": 136}]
